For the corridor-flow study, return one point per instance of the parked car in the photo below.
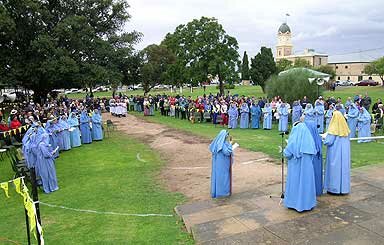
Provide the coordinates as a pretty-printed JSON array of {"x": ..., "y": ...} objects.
[
  {"x": 367, "y": 83},
  {"x": 72, "y": 91},
  {"x": 344, "y": 83}
]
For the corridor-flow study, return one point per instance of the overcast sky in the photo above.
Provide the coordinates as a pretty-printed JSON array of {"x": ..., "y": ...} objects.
[{"x": 332, "y": 27}]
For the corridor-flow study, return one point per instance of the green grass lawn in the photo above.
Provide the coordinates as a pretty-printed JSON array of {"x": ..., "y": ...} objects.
[
  {"x": 267, "y": 141},
  {"x": 103, "y": 176},
  {"x": 343, "y": 92}
]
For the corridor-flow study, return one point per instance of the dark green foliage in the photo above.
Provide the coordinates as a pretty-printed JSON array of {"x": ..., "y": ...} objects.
[
  {"x": 156, "y": 60},
  {"x": 262, "y": 67},
  {"x": 227, "y": 86},
  {"x": 245, "y": 67},
  {"x": 283, "y": 65},
  {"x": 302, "y": 63},
  {"x": 61, "y": 44},
  {"x": 376, "y": 68},
  {"x": 292, "y": 86},
  {"x": 202, "y": 47},
  {"x": 327, "y": 69}
]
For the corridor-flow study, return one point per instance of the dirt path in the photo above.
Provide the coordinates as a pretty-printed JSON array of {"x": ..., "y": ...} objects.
[{"x": 188, "y": 167}]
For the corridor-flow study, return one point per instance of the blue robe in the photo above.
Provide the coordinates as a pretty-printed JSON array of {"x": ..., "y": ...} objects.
[
  {"x": 65, "y": 134},
  {"x": 244, "y": 119},
  {"x": 46, "y": 165},
  {"x": 283, "y": 119},
  {"x": 60, "y": 135},
  {"x": 296, "y": 112},
  {"x": 221, "y": 175},
  {"x": 317, "y": 160},
  {"x": 27, "y": 141},
  {"x": 328, "y": 117},
  {"x": 338, "y": 164},
  {"x": 85, "y": 129},
  {"x": 300, "y": 191},
  {"x": 52, "y": 130},
  {"x": 319, "y": 111},
  {"x": 97, "y": 130},
  {"x": 256, "y": 114},
  {"x": 75, "y": 132},
  {"x": 233, "y": 116},
  {"x": 364, "y": 125},
  {"x": 309, "y": 114},
  {"x": 353, "y": 114},
  {"x": 267, "y": 122}
]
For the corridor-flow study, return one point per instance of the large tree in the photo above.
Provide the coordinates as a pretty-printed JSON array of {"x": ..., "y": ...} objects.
[
  {"x": 60, "y": 44},
  {"x": 376, "y": 68},
  {"x": 327, "y": 69},
  {"x": 245, "y": 67},
  {"x": 202, "y": 47},
  {"x": 156, "y": 60},
  {"x": 302, "y": 63},
  {"x": 262, "y": 67}
]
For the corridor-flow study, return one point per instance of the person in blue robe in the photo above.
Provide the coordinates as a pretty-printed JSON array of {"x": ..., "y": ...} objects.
[
  {"x": 317, "y": 160},
  {"x": 233, "y": 116},
  {"x": 221, "y": 175},
  {"x": 328, "y": 115},
  {"x": 319, "y": 112},
  {"x": 73, "y": 122},
  {"x": 296, "y": 111},
  {"x": 283, "y": 118},
  {"x": 46, "y": 165},
  {"x": 256, "y": 114},
  {"x": 85, "y": 129},
  {"x": 267, "y": 113},
  {"x": 60, "y": 135},
  {"x": 300, "y": 191},
  {"x": 34, "y": 145},
  {"x": 244, "y": 118},
  {"x": 364, "y": 125},
  {"x": 338, "y": 161},
  {"x": 97, "y": 130},
  {"x": 65, "y": 133},
  {"x": 27, "y": 145},
  {"x": 353, "y": 114},
  {"x": 52, "y": 131},
  {"x": 309, "y": 113}
]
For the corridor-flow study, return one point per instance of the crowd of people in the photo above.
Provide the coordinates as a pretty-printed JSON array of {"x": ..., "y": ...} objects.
[
  {"x": 50, "y": 128},
  {"x": 250, "y": 112}
]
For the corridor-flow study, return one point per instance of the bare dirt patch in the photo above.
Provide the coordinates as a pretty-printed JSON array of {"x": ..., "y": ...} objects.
[{"x": 188, "y": 159}]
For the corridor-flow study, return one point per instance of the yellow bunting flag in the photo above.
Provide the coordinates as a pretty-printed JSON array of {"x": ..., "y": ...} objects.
[
  {"x": 28, "y": 204},
  {"x": 17, "y": 185},
  {"x": 4, "y": 186}
]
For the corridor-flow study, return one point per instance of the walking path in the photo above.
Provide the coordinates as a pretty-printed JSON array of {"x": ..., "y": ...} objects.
[{"x": 250, "y": 215}]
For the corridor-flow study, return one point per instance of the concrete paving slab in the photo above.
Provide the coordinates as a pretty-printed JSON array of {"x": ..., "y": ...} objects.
[
  {"x": 194, "y": 207},
  {"x": 351, "y": 235},
  {"x": 260, "y": 236},
  {"x": 375, "y": 225}
]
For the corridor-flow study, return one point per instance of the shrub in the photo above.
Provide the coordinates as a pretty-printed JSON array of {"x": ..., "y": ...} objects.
[
  {"x": 293, "y": 86},
  {"x": 227, "y": 86}
]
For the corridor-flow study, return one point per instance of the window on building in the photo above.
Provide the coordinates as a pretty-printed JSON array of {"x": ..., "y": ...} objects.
[
  {"x": 338, "y": 78},
  {"x": 359, "y": 78},
  {"x": 319, "y": 61},
  {"x": 346, "y": 67},
  {"x": 279, "y": 53},
  {"x": 348, "y": 78},
  {"x": 337, "y": 68},
  {"x": 370, "y": 78}
]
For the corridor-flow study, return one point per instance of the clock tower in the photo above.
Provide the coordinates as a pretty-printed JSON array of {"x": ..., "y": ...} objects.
[{"x": 284, "y": 45}]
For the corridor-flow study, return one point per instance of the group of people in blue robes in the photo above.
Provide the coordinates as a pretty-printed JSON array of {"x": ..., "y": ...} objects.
[
  {"x": 221, "y": 173},
  {"x": 305, "y": 163},
  {"x": 41, "y": 144}
]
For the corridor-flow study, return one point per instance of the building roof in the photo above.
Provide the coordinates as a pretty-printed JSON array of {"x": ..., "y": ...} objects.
[
  {"x": 284, "y": 28},
  {"x": 313, "y": 72},
  {"x": 356, "y": 57}
]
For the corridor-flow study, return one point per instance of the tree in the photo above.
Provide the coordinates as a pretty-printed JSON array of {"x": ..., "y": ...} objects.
[
  {"x": 327, "y": 69},
  {"x": 376, "y": 68},
  {"x": 262, "y": 67},
  {"x": 202, "y": 47},
  {"x": 62, "y": 44},
  {"x": 156, "y": 60},
  {"x": 245, "y": 67},
  {"x": 292, "y": 86},
  {"x": 283, "y": 64},
  {"x": 302, "y": 63}
]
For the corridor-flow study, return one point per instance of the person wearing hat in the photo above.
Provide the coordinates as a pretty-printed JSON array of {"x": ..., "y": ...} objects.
[{"x": 338, "y": 161}]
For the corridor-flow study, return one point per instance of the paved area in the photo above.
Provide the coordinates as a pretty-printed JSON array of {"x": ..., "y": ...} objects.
[{"x": 252, "y": 217}]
